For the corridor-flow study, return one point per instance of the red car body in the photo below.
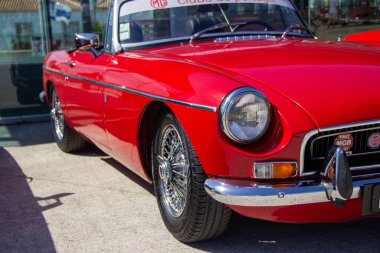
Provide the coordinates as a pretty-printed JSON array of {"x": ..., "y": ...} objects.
[
  {"x": 313, "y": 86},
  {"x": 371, "y": 38}
]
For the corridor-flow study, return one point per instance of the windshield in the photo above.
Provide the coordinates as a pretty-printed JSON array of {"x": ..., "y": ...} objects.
[{"x": 155, "y": 21}]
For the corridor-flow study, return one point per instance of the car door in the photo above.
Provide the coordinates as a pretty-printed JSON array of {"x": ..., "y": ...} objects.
[{"x": 85, "y": 100}]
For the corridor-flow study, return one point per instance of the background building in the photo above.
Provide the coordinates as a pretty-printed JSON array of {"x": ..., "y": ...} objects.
[{"x": 32, "y": 28}]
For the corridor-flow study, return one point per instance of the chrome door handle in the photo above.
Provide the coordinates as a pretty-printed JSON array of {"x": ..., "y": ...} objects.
[{"x": 71, "y": 63}]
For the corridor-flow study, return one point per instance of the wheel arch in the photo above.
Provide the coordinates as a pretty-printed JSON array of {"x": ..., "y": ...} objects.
[
  {"x": 49, "y": 89},
  {"x": 148, "y": 125}
]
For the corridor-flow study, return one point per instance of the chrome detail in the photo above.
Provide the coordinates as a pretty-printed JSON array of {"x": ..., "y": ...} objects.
[
  {"x": 159, "y": 98},
  {"x": 173, "y": 171},
  {"x": 353, "y": 131},
  {"x": 164, "y": 169},
  {"x": 302, "y": 151},
  {"x": 244, "y": 37},
  {"x": 337, "y": 176},
  {"x": 71, "y": 64},
  {"x": 186, "y": 38},
  {"x": 315, "y": 131},
  {"x": 368, "y": 167},
  {"x": 336, "y": 134},
  {"x": 84, "y": 41},
  {"x": 116, "y": 47},
  {"x": 296, "y": 27},
  {"x": 348, "y": 153},
  {"x": 216, "y": 27},
  {"x": 365, "y": 176},
  {"x": 350, "y": 125},
  {"x": 226, "y": 104},
  {"x": 246, "y": 193},
  {"x": 42, "y": 96},
  {"x": 57, "y": 116}
]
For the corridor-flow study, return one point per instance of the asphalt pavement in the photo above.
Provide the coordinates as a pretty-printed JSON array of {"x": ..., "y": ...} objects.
[{"x": 87, "y": 202}]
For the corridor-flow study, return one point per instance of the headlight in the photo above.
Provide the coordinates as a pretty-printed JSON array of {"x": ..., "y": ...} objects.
[{"x": 245, "y": 115}]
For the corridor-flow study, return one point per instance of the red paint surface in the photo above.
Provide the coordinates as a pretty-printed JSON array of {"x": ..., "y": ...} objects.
[
  {"x": 371, "y": 38},
  {"x": 310, "y": 213}
]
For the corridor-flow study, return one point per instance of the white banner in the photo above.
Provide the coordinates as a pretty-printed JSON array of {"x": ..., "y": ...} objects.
[{"x": 149, "y": 5}]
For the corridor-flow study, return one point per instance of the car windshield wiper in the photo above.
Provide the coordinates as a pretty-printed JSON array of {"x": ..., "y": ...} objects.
[
  {"x": 233, "y": 26},
  {"x": 216, "y": 27},
  {"x": 296, "y": 27},
  {"x": 236, "y": 25}
]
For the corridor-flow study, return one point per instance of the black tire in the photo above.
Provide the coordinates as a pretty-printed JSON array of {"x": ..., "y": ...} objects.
[
  {"x": 197, "y": 217},
  {"x": 66, "y": 138}
]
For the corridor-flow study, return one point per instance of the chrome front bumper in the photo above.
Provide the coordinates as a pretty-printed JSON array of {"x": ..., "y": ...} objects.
[
  {"x": 245, "y": 193},
  {"x": 336, "y": 185}
]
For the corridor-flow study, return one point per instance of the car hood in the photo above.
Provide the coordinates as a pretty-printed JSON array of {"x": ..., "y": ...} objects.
[{"x": 335, "y": 83}]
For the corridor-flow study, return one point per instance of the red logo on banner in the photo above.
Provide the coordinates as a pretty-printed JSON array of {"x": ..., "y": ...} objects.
[
  {"x": 374, "y": 141},
  {"x": 345, "y": 141},
  {"x": 159, "y": 4}
]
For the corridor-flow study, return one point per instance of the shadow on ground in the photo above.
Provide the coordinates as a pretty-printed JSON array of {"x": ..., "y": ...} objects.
[
  {"x": 25, "y": 134},
  {"x": 249, "y": 235},
  {"x": 128, "y": 173},
  {"x": 22, "y": 225}
]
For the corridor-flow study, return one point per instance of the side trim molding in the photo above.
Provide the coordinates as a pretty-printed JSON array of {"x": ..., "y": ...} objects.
[{"x": 143, "y": 94}]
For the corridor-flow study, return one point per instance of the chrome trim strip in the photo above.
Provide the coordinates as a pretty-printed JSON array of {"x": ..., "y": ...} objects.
[
  {"x": 302, "y": 151},
  {"x": 353, "y": 131},
  {"x": 350, "y": 155},
  {"x": 349, "y": 125},
  {"x": 315, "y": 131},
  {"x": 123, "y": 88},
  {"x": 116, "y": 47},
  {"x": 365, "y": 176},
  {"x": 188, "y": 38},
  {"x": 243, "y": 193},
  {"x": 368, "y": 167}
]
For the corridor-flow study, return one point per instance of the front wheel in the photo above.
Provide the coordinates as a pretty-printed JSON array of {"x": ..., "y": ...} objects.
[
  {"x": 66, "y": 138},
  {"x": 187, "y": 210}
]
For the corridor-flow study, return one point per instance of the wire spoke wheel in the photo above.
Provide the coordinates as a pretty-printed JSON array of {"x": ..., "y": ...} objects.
[
  {"x": 67, "y": 139},
  {"x": 178, "y": 177},
  {"x": 173, "y": 171},
  {"x": 57, "y": 116}
]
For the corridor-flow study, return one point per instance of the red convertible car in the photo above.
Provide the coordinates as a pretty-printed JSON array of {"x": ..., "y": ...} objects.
[
  {"x": 371, "y": 38},
  {"x": 225, "y": 105}
]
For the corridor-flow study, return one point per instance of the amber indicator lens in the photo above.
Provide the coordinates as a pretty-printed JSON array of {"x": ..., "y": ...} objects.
[{"x": 275, "y": 170}]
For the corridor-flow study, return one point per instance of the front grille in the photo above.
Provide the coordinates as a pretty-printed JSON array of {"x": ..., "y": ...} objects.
[{"x": 359, "y": 154}]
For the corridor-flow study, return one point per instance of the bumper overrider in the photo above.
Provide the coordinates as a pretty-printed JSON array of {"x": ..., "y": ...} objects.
[{"x": 336, "y": 185}]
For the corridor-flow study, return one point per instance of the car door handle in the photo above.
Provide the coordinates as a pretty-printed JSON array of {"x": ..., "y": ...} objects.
[{"x": 71, "y": 63}]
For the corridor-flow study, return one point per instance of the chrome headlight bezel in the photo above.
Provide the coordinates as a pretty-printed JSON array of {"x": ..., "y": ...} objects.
[{"x": 226, "y": 106}]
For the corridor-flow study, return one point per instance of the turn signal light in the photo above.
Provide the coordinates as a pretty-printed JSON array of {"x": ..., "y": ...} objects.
[{"x": 275, "y": 170}]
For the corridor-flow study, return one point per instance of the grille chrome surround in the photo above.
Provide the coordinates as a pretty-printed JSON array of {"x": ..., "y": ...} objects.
[{"x": 363, "y": 126}]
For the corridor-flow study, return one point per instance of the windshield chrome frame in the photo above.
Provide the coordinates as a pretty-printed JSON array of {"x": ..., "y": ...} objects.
[
  {"x": 127, "y": 46},
  {"x": 118, "y": 47}
]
